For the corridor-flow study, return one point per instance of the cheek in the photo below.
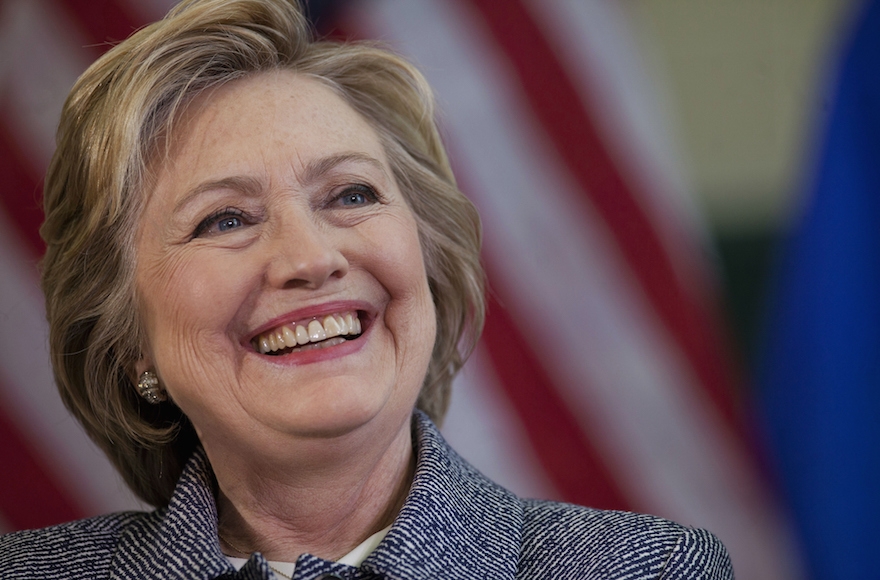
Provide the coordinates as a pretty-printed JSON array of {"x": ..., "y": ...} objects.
[
  {"x": 410, "y": 312},
  {"x": 164, "y": 299},
  {"x": 189, "y": 304}
]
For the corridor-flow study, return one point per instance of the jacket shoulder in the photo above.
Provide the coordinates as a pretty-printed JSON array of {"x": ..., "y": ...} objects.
[
  {"x": 77, "y": 550},
  {"x": 568, "y": 541}
]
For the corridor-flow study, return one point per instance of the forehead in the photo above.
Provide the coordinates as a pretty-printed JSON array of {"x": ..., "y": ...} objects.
[{"x": 271, "y": 121}]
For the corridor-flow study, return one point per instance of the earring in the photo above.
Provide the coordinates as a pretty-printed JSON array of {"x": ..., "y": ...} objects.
[{"x": 148, "y": 387}]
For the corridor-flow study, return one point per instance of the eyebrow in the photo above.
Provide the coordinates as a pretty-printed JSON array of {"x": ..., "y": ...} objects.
[
  {"x": 251, "y": 186},
  {"x": 247, "y": 185},
  {"x": 320, "y": 167}
]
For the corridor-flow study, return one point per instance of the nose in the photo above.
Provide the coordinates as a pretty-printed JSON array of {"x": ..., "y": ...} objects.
[{"x": 305, "y": 255}]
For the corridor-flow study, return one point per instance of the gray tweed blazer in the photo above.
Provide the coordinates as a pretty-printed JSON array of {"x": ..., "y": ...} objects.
[{"x": 455, "y": 524}]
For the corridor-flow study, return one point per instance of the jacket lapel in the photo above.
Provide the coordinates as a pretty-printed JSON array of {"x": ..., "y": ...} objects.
[
  {"x": 455, "y": 523},
  {"x": 180, "y": 540}
]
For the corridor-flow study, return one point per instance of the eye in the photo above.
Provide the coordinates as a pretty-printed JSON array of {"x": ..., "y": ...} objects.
[
  {"x": 354, "y": 199},
  {"x": 220, "y": 222},
  {"x": 356, "y": 195},
  {"x": 228, "y": 223}
]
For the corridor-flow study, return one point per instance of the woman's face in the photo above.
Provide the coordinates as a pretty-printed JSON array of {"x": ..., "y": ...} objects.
[{"x": 276, "y": 221}]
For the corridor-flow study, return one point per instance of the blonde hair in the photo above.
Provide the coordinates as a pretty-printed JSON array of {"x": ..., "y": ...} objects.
[{"x": 113, "y": 123}]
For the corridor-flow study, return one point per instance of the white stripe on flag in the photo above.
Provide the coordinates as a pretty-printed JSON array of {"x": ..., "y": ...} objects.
[
  {"x": 43, "y": 56},
  {"x": 482, "y": 426},
  {"x": 592, "y": 40}
]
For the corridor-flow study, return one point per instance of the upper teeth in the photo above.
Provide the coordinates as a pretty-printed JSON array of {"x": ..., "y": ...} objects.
[{"x": 301, "y": 333}]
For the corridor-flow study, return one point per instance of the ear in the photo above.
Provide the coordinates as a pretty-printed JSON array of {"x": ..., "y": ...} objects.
[
  {"x": 144, "y": 363},
  {"x": 140, "y": 366}
]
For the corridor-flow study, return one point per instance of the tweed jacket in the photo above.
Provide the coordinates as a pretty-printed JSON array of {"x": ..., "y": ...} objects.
[{"x": 455, "y": 524}]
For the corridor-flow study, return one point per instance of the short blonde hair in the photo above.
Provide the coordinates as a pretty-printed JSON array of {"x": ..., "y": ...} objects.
[{"x": 113, "y": 123}]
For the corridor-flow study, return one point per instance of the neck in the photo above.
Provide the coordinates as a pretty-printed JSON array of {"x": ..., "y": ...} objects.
[{"x": 325, "y": 507}]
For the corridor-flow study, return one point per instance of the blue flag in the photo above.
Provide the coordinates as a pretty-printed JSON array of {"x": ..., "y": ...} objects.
[{"x": 820, "y": 370}]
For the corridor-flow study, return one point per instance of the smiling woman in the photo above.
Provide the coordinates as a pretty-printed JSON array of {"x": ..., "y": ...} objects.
[
  {"x": 260, "y": 280},
  {"x": 320, "y": 230}
]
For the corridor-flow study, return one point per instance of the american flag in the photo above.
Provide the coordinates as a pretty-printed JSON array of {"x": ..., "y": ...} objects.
[{"x": 603, "y": 376}]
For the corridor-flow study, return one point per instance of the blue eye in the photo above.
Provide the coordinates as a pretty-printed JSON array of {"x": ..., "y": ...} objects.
[
  {"x": 220, "y": 222},
  {"x": 228, "y": 223},
  {"x": 354, "y": 199},
  {"x": 357, "y": 195}
]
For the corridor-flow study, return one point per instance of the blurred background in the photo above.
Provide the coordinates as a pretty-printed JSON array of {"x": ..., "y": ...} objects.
[{"x": 666, "y": 329}]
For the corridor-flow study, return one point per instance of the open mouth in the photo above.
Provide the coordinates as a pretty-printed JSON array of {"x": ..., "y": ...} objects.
[{"x": 314, "y": 333}]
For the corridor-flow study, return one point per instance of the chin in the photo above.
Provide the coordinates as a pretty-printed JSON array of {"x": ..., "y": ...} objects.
[{"x": 336, "y": 414}]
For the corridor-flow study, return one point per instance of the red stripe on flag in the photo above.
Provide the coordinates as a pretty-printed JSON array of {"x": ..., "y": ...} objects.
[
  {"x": 30, "y": 494},
  {"x": 105, "y": 22},
  {"x": 557, "y": 105},
  {"x": 20, "y": 192},
  {"x": 570, "y": 460}
]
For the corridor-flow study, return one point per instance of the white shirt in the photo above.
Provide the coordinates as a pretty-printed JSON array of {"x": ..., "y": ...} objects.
[{"x": 354, "y": 558}]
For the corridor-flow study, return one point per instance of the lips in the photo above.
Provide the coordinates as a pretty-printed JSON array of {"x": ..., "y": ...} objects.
[{"x": 319, "y": 332}]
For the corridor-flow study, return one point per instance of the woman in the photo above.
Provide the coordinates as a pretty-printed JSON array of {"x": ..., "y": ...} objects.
[{"x": 258, "y": 278}]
